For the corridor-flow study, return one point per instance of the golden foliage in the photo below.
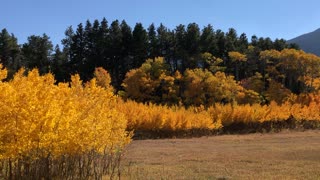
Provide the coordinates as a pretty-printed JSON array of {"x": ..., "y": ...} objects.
[
  {"x": 152, "y": 82},
  {"x": 212, "y": 63},
  {"x": 41, "y": 120},
  {"x": 292, "y": 68},
  {"x": 236, "y": 56},
  {"x": 232, "y": 114},
  {"x": 277, "y": 92},
  {"x": 205, "y": 88},
  {"x": 254, "y": 83},
  {"x": 103, "y": 78},
  {"x": 269, "y": 54},
  {"x": 150, "y": 117}
]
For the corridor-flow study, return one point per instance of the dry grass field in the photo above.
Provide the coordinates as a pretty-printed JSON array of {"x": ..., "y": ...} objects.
[{"x": 284, "y": 155}]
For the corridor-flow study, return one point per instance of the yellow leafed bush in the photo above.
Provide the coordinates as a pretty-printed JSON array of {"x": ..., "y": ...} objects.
[
  {"x": 152, "y": 117},
  {"x": 232, "y": 114},
  {"x": 62, "y": 131}
]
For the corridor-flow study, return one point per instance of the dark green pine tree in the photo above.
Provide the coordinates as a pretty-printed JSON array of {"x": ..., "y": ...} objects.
[
  {"x": 265, "y": 44},
  {"x": 139, "y": 45},
  {"x": 231, "y": 40},
  {"x": 165, "y": 47},
  {"x": 77, "y": 51},
  {"x": 37, "y": 53},
  {"x": 98, "y": 39},
  {"x": 208, "y": 40},
  {"x": 93, "y": 52},
  {"x": 67, "y": 42},
  {"x": 221, "y": 44},
  {"x": 280, "y": 44},
  {"x": 59, "y": 65},
  {"x": 10, "y": 55},
  {"x": 104, "y": 43},
  {"x": 126, "y": 60},
  {"x": 115, "y": 52},
  {"x": 96, "y": 56},
  {"x": 242, "y": 44},
  {"x": 163, "y": 38},
  {"x": 192, "y": 39},
  {"x": 254, "y": 40},
  {"x": 181, "y": 53},
  {"x": 153, "y": 43},
  {"x": 89, "y": 61},
  {"x": 192, "y": 45}
]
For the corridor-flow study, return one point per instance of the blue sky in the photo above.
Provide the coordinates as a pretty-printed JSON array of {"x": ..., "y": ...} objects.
[{"x": 264, "y": 18}]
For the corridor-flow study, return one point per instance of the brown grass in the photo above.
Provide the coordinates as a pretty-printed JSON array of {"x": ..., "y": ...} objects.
[{"x": 285, "y": 155}]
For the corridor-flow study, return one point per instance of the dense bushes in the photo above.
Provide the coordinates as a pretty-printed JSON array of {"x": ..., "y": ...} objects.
[
  {"x": 64, "y": 131},
  {"x": 149, "y": 120}
]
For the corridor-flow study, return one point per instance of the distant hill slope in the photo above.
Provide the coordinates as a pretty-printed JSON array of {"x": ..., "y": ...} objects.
[{"x": 309, "y": 42}]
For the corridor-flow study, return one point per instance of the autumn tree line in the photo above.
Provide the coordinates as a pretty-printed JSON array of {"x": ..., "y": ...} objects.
[{"x": 186, "y": 49}]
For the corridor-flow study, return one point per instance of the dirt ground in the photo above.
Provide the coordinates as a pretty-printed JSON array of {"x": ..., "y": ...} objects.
[{"x": 284, "y": 155}]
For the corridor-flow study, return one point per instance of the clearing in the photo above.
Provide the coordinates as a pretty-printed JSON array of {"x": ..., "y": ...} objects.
[{"x": 284, "y": 155}]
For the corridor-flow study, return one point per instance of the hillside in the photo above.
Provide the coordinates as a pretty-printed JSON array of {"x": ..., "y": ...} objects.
[{"x": 309, "y": 42}]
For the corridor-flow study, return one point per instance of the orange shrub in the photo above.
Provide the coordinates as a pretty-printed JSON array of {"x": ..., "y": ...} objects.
[{"x": 150, "y": 117}]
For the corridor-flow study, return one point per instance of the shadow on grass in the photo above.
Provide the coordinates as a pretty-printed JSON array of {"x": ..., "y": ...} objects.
[{"x": 234, "y": 128}]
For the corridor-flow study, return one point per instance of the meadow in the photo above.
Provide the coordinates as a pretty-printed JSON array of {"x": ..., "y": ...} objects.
[{"x": 284, "y": 155}]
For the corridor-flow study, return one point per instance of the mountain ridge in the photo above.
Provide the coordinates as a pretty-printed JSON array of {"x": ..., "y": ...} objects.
[{"x": 309, "y": 42}]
